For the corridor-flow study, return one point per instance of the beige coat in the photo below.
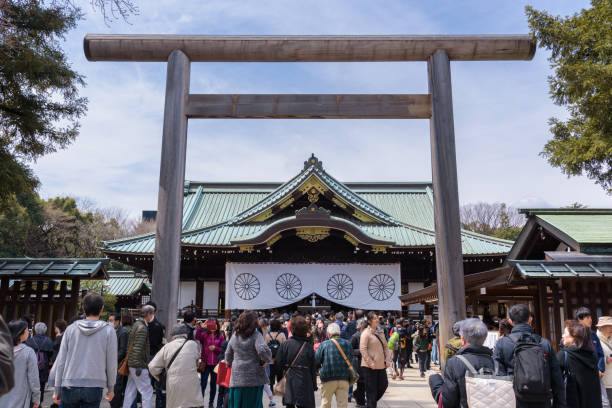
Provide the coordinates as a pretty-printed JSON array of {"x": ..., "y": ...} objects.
[
  {"x": 606, "y": 345},
  {"x": 182, "y": 382},
  {"x": 372, "y": 350}
]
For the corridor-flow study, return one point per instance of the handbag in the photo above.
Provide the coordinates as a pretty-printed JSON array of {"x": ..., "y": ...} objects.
[
  {"x": 280, "y": 387},
  {"x": 123, "y": 367},
  {"x": 224, "y": 373},
  {"x": 353, "y": 375},
  {"x": 161, "y": 383}
]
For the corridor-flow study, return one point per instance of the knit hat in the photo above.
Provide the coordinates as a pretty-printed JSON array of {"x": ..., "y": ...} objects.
[{"x": 604, "y": 321}]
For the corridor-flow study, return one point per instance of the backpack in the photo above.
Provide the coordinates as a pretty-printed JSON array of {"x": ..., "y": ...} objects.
[
  {"x": 41, "y": 357},
  {"x": 392, "y": 343},
  {"x": 487, "y": 389},
  {"x": 531, "y": 369},
  {"x": 273, "y": 345}
]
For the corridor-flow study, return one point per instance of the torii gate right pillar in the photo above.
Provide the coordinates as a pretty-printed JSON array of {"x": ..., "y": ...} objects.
[{"x": 449, "y": 258}]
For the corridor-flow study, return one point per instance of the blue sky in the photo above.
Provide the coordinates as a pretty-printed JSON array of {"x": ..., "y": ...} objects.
[{"x": 501, "y": 108}]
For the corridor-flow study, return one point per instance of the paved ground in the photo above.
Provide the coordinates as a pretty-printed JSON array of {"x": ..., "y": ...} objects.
[{"x": 413, "y": 392}]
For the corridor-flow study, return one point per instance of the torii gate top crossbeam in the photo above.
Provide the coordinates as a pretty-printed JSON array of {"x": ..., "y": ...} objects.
[{"x": 307, "y": 48}]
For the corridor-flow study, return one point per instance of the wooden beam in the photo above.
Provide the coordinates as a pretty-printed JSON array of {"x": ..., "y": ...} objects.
[
  {"x": 306, "y": 48},
  {"x": 324, "y": 106},
  {"x": 542, "y": 314},
  {"x": 167, "y": 257},
  {"x": 449, "y": 259},
  {"x": 75, "y": 288}
]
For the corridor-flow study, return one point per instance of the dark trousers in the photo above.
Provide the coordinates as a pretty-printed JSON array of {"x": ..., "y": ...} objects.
[
  {"x": 375, "y": 385},
  {"x": 119, "y": 390},
  {"x": 359, "y": 392},
  {"x": 276, "y": 374},
  {"x": 222, "y": 397},
  {"x": 42, "y": 391},
  {"x": 422, "y": 356},
  {"x": 81, "y": 397},
  {"x": 213, "y": 383}
]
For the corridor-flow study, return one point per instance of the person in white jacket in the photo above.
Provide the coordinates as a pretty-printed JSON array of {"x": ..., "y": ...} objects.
[
  {"x": 604, "y": 332},
  {"x": 182, "y": 382}
]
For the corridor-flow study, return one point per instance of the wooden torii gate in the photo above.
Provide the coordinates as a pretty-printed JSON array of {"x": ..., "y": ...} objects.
[{"x": 438, "y": 50}]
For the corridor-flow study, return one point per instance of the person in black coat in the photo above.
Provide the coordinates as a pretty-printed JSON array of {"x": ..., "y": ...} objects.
[
  {"x": 43, "y": 344},
  {"x": 302, "y": 378},
  {"x": 504, "y": 354},
  {"x": 473, "y": 334},
  {"x": 579, "y": 366},
  {"x": 123, "y": 336},
  {"x": 359, "y": 393}
]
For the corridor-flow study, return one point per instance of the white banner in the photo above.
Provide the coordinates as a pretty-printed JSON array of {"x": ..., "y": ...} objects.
[{"x": 271, "y": 285}]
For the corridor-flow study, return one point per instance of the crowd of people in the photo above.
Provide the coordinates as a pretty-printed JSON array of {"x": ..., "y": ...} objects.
[{"x": 257, "y": 355}]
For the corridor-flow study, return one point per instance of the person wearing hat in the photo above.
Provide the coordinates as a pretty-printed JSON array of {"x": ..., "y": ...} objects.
[
  {"x": 26, "y": 392},
  {"x": 604, "y": 333},
  {"x": 182, "y": 382}
]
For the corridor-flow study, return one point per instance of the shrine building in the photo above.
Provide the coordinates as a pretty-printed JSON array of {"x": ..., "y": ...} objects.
[{"x": 312, "y": 241}]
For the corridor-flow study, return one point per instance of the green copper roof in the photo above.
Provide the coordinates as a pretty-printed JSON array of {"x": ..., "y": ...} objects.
[
  {"x": 215, "y": 214},
  {"x": 53, "y": 268},
  {"x": 126, "y": 283},
  {"x": 584, "y": 228}
]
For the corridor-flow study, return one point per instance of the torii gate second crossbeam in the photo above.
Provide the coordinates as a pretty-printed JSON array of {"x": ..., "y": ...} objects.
[{"x": 438, "y": 50}]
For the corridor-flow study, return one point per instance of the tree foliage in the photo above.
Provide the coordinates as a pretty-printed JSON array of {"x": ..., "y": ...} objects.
[
  {"x": 496, "y": 220},
  {"x": 581, "y": 55}
]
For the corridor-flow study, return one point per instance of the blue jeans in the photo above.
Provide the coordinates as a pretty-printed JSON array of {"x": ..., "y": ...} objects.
[
  {"x": 435, "y": 354},
  {"x": 81, "y": 397},
  {"x": 213, "y": 383}
]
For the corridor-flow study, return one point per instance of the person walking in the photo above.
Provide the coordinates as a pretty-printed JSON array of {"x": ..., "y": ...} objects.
[
  {"x": 421, "y": 344},
  {"x": 583, "y": 315},
  {"x": 604, "y": 324},
  {"x": 59, "y": 327},
  {"x": 247, "y": 354},
  {"x": 334, "y": 370},
  {"x": 43, "y": 347},
  {"x": 454, "y": 344},
  {"x": 138, "y": 360},
  {"x": 579, "y": 367},
  {"x": 503, "y": 352},
  {"x": 375, "y": 358},
  {"x": 26, "y": 390},
  {"x": 296, "y": 358},
  {"x": 210, "y": 338},
  {"x": 359, "y": 392},
  {"x": 157, "y": 334},
  {"x": 274, "y": 340},
  {"x": 123, "y": 336},
  {"x": 180, "y": 358},
  {"x": 87, "y": 361},
  {"x": 473, "y": 334}
]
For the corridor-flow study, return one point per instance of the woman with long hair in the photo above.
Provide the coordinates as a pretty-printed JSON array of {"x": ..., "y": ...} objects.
[
  {"x": 579, "y": 367},
  {"x": 247, "y": 354},
  {"x": 211, "y": 339},
  {"x": 301, "y": 379},
  {"x": 26, "y": 392},
  {"x": 375, "y": 358}
]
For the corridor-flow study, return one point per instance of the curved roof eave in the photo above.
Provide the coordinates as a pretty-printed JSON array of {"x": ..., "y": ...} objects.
[{"x": 290, "y": 223}]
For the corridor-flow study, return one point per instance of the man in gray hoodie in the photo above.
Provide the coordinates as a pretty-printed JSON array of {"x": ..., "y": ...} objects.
[{"x": 87, "y": 360}]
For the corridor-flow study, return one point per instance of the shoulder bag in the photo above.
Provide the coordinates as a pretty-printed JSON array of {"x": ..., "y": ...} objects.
[
  {"x": 161, "y": 384},
  {"x": 123, "y": 368},
  {"x": 353, "y": 375},
  {"x": 280, "y": 387}
]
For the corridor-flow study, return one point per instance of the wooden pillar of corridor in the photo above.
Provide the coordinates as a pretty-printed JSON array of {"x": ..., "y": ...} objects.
[{"x": 437, "y": 50}]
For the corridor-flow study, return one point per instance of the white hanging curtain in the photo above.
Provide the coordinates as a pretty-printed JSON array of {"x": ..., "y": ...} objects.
[{"x": 272, "y": 285}]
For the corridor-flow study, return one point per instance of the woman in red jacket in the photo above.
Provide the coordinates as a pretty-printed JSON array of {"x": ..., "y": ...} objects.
[{"x": 211, "y": 340}]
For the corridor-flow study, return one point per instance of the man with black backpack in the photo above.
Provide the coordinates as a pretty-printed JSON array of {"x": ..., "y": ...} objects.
[{"x": 531, "y": 359}]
